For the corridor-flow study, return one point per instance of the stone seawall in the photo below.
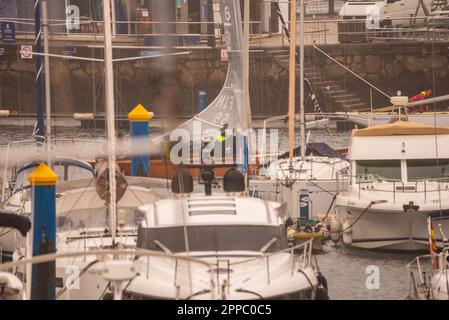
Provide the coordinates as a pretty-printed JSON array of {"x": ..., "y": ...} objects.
[
  {"x": 392, "y": 67},
  {"x": 170, "y": 85}
]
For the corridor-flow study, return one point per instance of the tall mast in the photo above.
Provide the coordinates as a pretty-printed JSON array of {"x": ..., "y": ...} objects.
[
  {"x": 301, "y": 79},
  {"x": 246, "y": 116},
  {"x": 110, "y": 114},
  {"x": 292, "y": 81},
  {"x": 246, "y": 111},
  {"x": 39, "y": 131},
  {"x": 47, "y": 80}
]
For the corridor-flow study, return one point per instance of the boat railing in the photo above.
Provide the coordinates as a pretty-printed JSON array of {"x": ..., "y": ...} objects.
[
  {"x": 421, "y": 270},
  {"x": 299, "y": 255},
  {"x": 393, "y": 186},
  {"x": 23, "y": 146},
  {"x": 121, "y": 254}
]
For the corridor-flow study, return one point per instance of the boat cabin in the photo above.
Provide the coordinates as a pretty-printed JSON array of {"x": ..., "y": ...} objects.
[
  {"x": 404, "y": 152},
  {"x": 212, "y": 222}
]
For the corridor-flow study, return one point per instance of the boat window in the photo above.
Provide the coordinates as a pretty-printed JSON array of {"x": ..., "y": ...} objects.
[
  {"x": 214, "y": 238},
  {"x": 59, "y": 170},
  {"x": 427, "y": 169},
  {"x": 78, "y": 173},
  {"x": 22, "y": 178},
  {"x": 94, "y": 218},
  {"x": 378, "y": 169}
]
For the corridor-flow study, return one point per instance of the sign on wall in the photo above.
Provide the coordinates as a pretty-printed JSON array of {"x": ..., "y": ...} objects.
[
  {"x": 26, "y": 52},
  {"x": 8, "y": 32}
]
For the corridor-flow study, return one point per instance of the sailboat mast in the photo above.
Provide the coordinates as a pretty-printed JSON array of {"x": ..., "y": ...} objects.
[
  {"x": 110, "y": 114},
  {"x": 39, "y": 132},
  {"x": 292, "y": 81},
  {"x": 47, "y": 80},
  {"x": 245, "y": 116},
  {"x": 301, "y": 79}
]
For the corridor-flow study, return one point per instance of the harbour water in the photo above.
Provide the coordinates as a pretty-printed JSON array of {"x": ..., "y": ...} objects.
[
  {"x": 348, "y": 271},
  {"x": 352, "y": 273}
]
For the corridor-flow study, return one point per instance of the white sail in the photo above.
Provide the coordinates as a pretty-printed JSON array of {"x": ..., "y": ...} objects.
[{"x": 227, "y": 106}]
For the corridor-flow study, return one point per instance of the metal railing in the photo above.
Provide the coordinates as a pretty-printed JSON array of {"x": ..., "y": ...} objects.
[
  {"x": 128, "y": 255},
  {"x": 24, "y": 147},
  {"x": 394, "y": 186},
  {"x": 422, "y": 269},
  {"x": 144, "y": 33},
  {"x": 300, "y": 255}
]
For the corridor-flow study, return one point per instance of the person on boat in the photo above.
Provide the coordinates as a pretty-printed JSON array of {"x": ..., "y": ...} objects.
[{"x": 419, "y": 97}]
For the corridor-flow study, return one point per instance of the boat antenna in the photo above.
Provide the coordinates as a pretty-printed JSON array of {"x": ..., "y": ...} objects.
[{"x": 110, "y": 114}]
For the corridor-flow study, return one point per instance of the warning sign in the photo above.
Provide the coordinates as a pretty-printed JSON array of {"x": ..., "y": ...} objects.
[
  {"x": 224, "y": 55},
  {"x": 26, "y": 52}
]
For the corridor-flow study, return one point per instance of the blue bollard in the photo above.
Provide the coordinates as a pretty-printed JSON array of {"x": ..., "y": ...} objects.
[
  {"x": 43, "y": 195},
  {"x": 139, "y": 118}
]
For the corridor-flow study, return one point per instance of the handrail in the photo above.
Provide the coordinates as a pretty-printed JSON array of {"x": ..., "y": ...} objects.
[
  {"x": 306, "y": 256},
  {"x": 23, "y": 143},
  {"x": 352, "y": 72},
  {"x": 112, "y": 252},
  {"x": 394, "y": 182}
]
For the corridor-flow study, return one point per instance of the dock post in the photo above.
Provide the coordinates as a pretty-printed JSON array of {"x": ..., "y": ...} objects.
[
  {"x": 139, "y": 118},
  {"x": 43, "y": 197}
]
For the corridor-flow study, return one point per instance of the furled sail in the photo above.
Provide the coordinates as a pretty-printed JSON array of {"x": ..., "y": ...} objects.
[{"x": 226, "y": 109}]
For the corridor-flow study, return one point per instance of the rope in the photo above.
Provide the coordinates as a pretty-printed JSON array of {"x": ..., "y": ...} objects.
[{"x": 360, "y": 216}]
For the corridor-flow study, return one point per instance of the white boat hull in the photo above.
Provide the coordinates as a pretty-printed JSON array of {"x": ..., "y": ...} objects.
[
  {"x": 369, "y": 120},
  {"x": 389, "y": 228}
]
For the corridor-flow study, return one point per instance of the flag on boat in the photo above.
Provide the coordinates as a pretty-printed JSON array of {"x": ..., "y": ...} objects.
[
  {"x": 432, "y": 244},
  {"x": 432, "y": 241}
]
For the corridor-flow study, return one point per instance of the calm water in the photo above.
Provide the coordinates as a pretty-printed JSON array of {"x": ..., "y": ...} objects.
[{"x": 344, "y": 268}]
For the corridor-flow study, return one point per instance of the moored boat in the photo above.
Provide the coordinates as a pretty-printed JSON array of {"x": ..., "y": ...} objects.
[{"x": 399, "y": 177}]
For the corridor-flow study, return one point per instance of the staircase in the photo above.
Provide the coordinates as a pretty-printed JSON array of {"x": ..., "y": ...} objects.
[{"x": 342, "y": 99}]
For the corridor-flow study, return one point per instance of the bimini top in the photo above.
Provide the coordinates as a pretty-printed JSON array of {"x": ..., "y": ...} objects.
[{"x": 399, "y": 128}]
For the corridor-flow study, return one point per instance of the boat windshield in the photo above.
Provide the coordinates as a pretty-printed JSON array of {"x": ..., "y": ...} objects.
[
  {"x": 214, "y": 238},
  {"x": 96, "y": 218},
  {"x": 65, "y": 172},
  {"x": 427, "y": 169},
  {"x": 383, "y": 169}
]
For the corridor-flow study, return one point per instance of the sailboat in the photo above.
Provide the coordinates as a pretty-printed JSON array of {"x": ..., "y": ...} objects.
[
  {"x": 89, "y": 216},
  {"x": 225, "y": 212},
  {"x": 310, "y": 171}
]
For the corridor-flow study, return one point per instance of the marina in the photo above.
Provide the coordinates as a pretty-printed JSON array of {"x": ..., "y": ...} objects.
[{"x": 228, "y": 150}]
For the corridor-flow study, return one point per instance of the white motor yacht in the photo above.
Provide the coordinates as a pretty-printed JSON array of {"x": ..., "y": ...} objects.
[
  {"x": 399, "y": 176},
  {"x": 243, "y": 238}
]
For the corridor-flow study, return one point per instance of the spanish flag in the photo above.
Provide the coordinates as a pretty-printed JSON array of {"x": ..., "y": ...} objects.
[{"x": 432, "y": 240}]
